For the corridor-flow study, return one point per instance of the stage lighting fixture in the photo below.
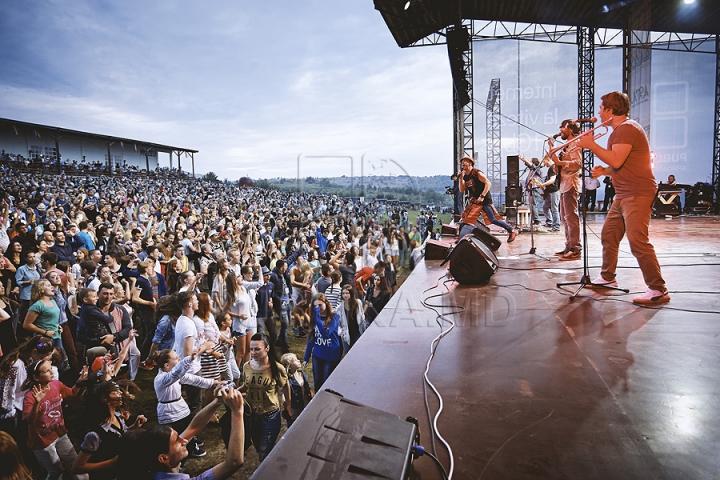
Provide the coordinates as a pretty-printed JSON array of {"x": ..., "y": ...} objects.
[
  {"x": 688, "y": 2},
  {"x": 410, "y": 3}
]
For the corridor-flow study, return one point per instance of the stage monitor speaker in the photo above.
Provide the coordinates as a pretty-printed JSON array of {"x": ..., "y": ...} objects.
[
  {"x": 661, "y": 209},
  {"x": 336, "y": 438},
  {"x": 513, "y": 195},
  {"x": 482, "y": 233},
  {"x": 436, "y": 250},
  {"x": 472, "y": 262},
  {"x": 513, "y": 170},
  {"x": 449, "y": 230}
]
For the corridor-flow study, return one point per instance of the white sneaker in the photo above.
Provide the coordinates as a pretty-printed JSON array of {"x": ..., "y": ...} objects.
[
  {"x": 652, "y": 297},
  {"x": 601, "y": 282}
]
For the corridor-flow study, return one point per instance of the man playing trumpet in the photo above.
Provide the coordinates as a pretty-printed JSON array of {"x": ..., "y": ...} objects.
[
  {"x": 571, "y": 162},
  {"x": 628, "y": 158}
]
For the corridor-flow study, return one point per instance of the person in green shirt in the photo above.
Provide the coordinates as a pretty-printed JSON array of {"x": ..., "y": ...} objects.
[{"x": 43, "y": 315}]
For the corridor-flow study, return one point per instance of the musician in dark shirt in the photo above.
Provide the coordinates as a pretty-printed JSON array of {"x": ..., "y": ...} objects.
[{"x": 478, "y": 186}]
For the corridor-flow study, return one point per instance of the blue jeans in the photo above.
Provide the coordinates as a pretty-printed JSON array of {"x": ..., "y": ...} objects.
[
  {"x": 537, "y": 204},
  {"x": 488, "y": 209},
  {"x": 282, "y": 339},
  {"x": 404, "y": 260},
  {"x": 264, "y": 431},
  {"x": 322, "y": 370},
  {"x": 551, "y": 208}
]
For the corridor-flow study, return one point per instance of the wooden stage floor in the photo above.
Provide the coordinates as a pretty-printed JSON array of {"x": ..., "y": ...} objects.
[{"x": 535, "y": 386}]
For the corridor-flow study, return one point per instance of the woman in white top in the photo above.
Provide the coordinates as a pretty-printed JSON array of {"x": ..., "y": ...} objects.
[
  {"x": 172, "y": 408},
  {"x": 238, "y": 304},
  {"x": 251, "y": 287}
]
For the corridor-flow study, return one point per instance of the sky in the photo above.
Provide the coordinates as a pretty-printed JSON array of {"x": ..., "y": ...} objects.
[{"x": 256, "y": 85}]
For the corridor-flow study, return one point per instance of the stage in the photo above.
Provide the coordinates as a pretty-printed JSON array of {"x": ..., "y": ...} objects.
[{"x": 536, "y": 386}]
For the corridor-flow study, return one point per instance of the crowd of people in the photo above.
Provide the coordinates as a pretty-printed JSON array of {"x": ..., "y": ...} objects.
[{"x": 200, "y": 282}]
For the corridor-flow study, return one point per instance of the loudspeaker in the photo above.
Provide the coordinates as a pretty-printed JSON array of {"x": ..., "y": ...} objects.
[
  {"x": 661, "y": 209},
  {"x": 436, "y": 250},
  {"x": 513, "y": 170},
  {"x": 482, "y": 233},
  {"x": 449, "y": 230},
  {"x": 472, "y": 262},
  {"x": 513, "y": 195},
  {"x": 336, "y": 438}
]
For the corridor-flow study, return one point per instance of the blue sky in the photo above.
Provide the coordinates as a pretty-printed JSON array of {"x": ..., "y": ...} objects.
[{"x": 252, "y": 85}]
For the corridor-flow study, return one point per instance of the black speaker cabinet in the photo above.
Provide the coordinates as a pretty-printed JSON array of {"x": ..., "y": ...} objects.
[
  {"x": 335, "y": 438},
  {"x": 436, "y": 250},
  {"x": 449, "y": 230},
  {"x": 472, "y": 262},
  {"x": 482, "y": 233},
  {"x": 513, "y": 195},
  {"x": 513, "y": 170}
]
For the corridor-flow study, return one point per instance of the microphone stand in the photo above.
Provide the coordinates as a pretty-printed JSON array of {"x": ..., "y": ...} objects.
[
  {"x": 585, "y": 280},
  {"x": 528, "y": 192}
]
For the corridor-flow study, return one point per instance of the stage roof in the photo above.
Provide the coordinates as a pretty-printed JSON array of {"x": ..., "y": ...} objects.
[
  {"x": 155, "y": 146},
  {"x": 424, "y": 17}
]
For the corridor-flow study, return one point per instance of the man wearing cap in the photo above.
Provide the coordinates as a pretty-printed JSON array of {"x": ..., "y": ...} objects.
[
  {"x": 477, "y": 185},
  {"x": 214, "y": 241}
]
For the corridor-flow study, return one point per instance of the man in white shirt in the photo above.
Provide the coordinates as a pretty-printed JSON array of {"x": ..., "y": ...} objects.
[{"x": 186, "y": 341}]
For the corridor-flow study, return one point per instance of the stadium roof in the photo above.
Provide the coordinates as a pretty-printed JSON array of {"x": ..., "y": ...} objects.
[
  {"x": 424, "y": 17},
  {"x": 155, "y": 146}
]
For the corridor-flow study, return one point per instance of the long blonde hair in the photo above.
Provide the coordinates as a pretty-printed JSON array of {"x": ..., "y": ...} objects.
[{"x": 36, "y": 292}]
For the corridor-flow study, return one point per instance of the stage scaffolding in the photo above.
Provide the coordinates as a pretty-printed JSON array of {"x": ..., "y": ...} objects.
[
  {"x": 587, "y": 40},
  {"x": 493, "y": 136}
]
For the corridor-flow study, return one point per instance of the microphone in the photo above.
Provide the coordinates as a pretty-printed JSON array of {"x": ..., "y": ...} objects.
[
  {"x": 586, "y": 120},
  {"x": 556, "y": 136}
]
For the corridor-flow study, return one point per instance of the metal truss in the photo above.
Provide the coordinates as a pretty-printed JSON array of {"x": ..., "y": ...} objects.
[
  {"x": 468, "y": 109},
  {"x": 604, "y": 37},
  {"x": 586, "y": 81},
  {"x": 493, "y": 140},
  {"x": 716, "y": 131},
  {"x": 463, "y": 115}
]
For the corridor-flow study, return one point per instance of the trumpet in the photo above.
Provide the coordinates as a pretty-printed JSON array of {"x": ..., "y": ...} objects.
[{"x": 574, "y": 148}]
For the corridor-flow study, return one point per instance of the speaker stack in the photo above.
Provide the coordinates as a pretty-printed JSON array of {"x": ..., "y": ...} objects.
[{"x": 472, "y": 262}]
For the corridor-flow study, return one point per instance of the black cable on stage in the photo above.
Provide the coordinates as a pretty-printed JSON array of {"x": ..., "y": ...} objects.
[
  {"x": 620, "y": 267},
  {"x": 616, "y": 298},
  {"x": 437, "y": 462},
  {"x": 433, "y": 348}
]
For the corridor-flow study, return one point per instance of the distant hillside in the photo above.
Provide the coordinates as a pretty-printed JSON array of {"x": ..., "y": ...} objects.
[{"x": 427, "y": 190}]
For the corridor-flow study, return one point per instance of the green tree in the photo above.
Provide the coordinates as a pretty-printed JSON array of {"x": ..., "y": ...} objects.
[{"x": 210, "y": 177}]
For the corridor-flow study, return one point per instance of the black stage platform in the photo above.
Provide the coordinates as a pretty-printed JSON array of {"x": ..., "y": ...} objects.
[{"x": 536, "y": 386}]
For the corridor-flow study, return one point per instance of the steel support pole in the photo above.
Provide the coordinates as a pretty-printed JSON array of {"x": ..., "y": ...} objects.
[{"x": 716, "y": 132}]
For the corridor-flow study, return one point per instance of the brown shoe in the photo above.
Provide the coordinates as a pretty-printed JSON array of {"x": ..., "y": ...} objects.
[
  {"x": 511, "y": 236},
  {"x": 571, "y": 255}
]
